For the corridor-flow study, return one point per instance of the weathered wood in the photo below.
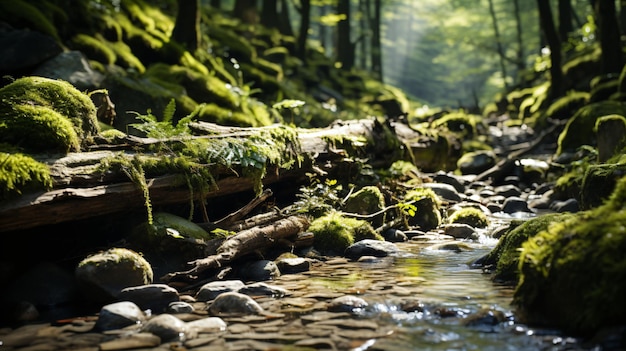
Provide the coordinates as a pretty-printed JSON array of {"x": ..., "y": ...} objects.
[
  {"x": 81, "y": 192},
  {"x": 242, "y": 243}
]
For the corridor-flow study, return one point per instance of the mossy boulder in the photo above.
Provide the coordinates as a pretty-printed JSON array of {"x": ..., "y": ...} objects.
[
  {"x": 599, "y": 182},
  {"x": 458, "y": 122},
  {"x": 41, "y": 114},
  {"x": 472, "y": 216},
  {"x": 579, "y": 130},
  {"x": 427, "y": 208},
  {"x": 503, "y": 259},
  {"x": 366, "y": 201},
  {"x": 611, "y": 136},
  {"x": 103, "y": 275},
  {"x": 333, "y": 232},
  {"x": 573, "y": 274},
  {"x": 20, "y": 174}
]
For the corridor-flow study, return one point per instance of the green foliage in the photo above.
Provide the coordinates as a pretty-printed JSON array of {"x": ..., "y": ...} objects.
[
  {"x": 427, "y": 208},
  {"x": 319, "y": 198},
  {"x": 20, "y": 173},
  {"x": 22, "y": 11}
]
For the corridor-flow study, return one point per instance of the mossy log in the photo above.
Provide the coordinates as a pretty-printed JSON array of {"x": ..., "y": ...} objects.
[{"x": 80, "y": 192}]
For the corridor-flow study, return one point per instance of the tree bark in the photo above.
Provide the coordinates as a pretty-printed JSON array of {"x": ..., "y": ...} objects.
[
  {"x": 80, "y": 192},
  {"x": 549, "y": 30},
  {"x": 269, "y": 13},
  {"x": 345, "y": 47},
  {"x": 496, "y": 31},
  {"x": 377, "y": 51},
  {"x": 565, "y": 19},
  {"x": 303, "y": 33},
  {"x": 187, "y": 28},
  {"x": 612, "y": 59}
]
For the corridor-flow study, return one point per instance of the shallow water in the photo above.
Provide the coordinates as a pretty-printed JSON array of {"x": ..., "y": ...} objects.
[{"x": 445, "y": 292}]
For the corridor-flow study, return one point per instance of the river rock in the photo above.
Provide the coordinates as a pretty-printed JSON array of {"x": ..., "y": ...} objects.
[
  {"x": 211, "y": 290},
  {"x": 445, "y": 191},
  {"x": 515, "y": 204},
  {"x": 207, "y": 325},
  {"x": 395, "y": 235},
  {"x": 259, "y": 271},
  {"x": 73, "y": 67},
  {"x": 569, "y": 205},
  {"x": 155, "y": 297},
  {"x": 234, "y": 304},
  {"x": 167, "y": 327},
  {"x": 104, "y": 275},
  {"x": 447, "y": 178},
  {"x": 260, "y": 288},
  {"x": 179, "y": 307},
  {"x": 370, "y": 247},
  {"x": 293, "y": 265},
  {"x": 459, "y": 230},
  {"x": 347, "y": 303},
  {"x": 119, "y": 315}
]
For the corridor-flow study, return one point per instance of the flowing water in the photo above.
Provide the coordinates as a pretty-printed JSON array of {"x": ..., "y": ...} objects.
[{"x": 429, "y": 297}]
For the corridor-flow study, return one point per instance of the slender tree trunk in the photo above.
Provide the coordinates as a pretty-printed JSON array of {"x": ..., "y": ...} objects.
[
  {"x": 612, "y": 58},
  {"x": 269, "y": 13},
  {"x": 376, "y": 49},
  {"x": 284, "y": 19},
  {"x": 216, "y": 4},
  {"x": 552, "y": 37},
  {"x": 565, "y": 19},
  {"x": 187, "y": 28},
  {"x": 364, "y": 25},
  {"x": 622, "y": 16},
  {"x": 521, "y": 59},
  {"x": 494, "y": 20},
  {"x": 345, "y": 48},
  {"x": 305, "y": 23}
]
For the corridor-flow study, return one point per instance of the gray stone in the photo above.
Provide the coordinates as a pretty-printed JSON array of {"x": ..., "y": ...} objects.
[
  {"x": 210, "y": 291},
  {"x": 155, "y": 297},
  {"x": 370, "y": 247},
  {"x": 515, "y": 204},
  {"x": 445, "y": 191},
  {"x": 260, "y": 288},
  {"x": 234, "y": 304},
  {"x": 293, "y": 265},
  {"x": 73, "y": 67},
  {"x": 347, "y": 303},
  {"x": 459, "y": 230},
  {"x": 119, "y": 315},
  {"x": 167, "y": 327}
]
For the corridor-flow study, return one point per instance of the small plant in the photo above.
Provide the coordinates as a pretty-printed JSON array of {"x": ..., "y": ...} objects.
[
  {"x": 289, "y": 104},
  {"x": 319, "y": 198}
]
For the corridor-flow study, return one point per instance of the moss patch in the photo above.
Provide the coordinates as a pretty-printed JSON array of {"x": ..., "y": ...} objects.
[
  {"x": 20, "y": 174},
  {"x": 471, "y": 216},
  {"x": 334, "y": 233}
]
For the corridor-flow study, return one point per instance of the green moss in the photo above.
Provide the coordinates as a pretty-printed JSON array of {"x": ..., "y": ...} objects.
[
  {"x": 573, "y": 274},
  {"x": 471, "y": 216},
  {"x": 579, "y": 130},
  {"x": 93, "y": 48},
  {"x": 37, "y": 129},
  {"x": 427, "y": 208},
  {"x": 565, "y": 107},
  {"x": 125, "y": 57},
  {"x": 20, "y": 174},
  {"x": 598, "y": 183},
  {"x": 505, "y": 255},
  {"x": 56, "y": 95},
  {"x": 367, "y": 200},
  {"x": 334, "y": 233},
  {"x": 604, "y": 90},
  {"x": 17, "y": 11},
  {"x": 458, "y": 122},
  {"x": 535, "y": 101}
]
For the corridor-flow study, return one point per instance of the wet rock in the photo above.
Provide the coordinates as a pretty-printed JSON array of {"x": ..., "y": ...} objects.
[
  {"x": 179, "y": 307},
  {"x": 167, "y": 327},
  {"x": 445, "y": 191},
  {"x": 259, "y": 271},
  {"x": 155, "y": 297},
  {"x": 73, "y": 67},
  {"x": 446, "y": 178},
  {"x": 102, "y": 276},
  {"x": 293, "y": 265},
  {"x": 210, "y": 291},
  {"x": 507, "y": 191},
  {"x": 207, "y": 325},
  {"x": 395, "y": 235},
  {"x": 452, "y": 246},
  {"x": 476, "y": 162},
  {"x": 569, "y": 205},
  {"x": 459, "y": 230},
  {"x": 515, "y": 204},
  {"x": 347, "y": 303},
  {"x": 370, "y": 247},
  {"x": 485, "y": 318},
  {"x": 119, "y": 315},
  {"x": 260, "y": 288},
  {"x": 234, "y": 304}
]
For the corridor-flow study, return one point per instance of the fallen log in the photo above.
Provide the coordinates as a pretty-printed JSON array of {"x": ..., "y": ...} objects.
[
  {"x": 245, "y": 242},
  {"x": 81, "y": 192}
]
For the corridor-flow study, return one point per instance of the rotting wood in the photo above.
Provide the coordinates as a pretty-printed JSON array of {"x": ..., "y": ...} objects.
[{"x": 245, "y": 242}]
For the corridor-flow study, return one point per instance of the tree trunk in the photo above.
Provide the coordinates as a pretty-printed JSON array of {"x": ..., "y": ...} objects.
[
  {"x": 377, "y": 60},
  {"x": 565, "y": 19},
  {"x": 246, "y": 11},
  {"x": 549, "y": 30},
  {"x": 521, "y": 59},
  {"x": 187, "y": 28},
  {"x": 345, "y": 48},
  {"x": 216, "y": 4},
  {"x": 269, "y": 14},
  {"x": 496, "y": 32},
  {"x": 305, "y": 22},
  {"x": 284, "y": 25},
  {"x": 612, "y": 59}
]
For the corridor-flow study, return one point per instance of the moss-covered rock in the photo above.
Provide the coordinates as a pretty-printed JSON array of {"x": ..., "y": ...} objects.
[
  {"x": 472, "y": 216},
  {"x": 334, "y": 233},
  {"x": 20, "y": 174},
  {"x": 427, "y": 208},
  {"x": 366, "y": 201},
  {"x": 503, "y": 259},
  {"x": 573, "y": 274},
  {"x": 579, "y": 130},
  {"x": 598, "y": 183},
  {"x": 610, "y": 135},
  {"x": 43, "y": 114}
]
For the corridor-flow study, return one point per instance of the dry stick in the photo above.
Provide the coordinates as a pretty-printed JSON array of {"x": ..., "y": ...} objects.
[
  {"x": 242, "y": 243},
  {"x": 505, "y": 165}
]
